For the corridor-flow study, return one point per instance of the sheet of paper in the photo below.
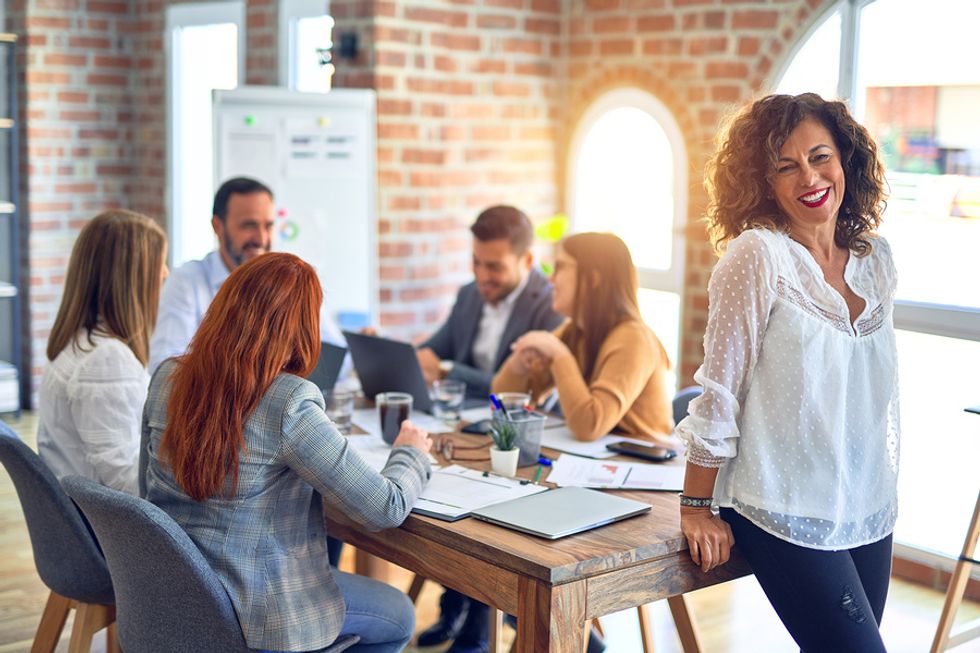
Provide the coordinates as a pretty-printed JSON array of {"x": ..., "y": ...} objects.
[
  {"x": 561, "y": 438},
  {"x": 475, "y": 414},
  {"x": 375, "y": 451},
  {"x": 454, "y": 491},
  {"x": 367, "y": 420},
  {"x": 610, "y": 474}
]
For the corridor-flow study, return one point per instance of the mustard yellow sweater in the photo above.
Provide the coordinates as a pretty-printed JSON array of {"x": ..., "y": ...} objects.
[{"x": 627, "y": 390}]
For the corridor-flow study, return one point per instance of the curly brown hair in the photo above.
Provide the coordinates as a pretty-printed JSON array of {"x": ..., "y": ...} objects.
[{"x": 738, "y": 176}]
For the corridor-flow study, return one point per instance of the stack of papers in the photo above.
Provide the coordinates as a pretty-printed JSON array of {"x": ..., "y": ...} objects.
[
  {"x": 454, "y": 491},
  {"x": 607, "y": 474}
]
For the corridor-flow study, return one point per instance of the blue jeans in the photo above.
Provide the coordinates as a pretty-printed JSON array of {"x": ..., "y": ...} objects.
[
  {"x": 383, "y": 616},
  {"x": 829, "y": 601}
]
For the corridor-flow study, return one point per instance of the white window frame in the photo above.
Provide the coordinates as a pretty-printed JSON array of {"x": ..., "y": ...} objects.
[
  {"x": 936, "y": 319},
  {"x": 671, "y": 279},
  {"x": 178, "y": 17},
  {"x": 290, "y": 11}
]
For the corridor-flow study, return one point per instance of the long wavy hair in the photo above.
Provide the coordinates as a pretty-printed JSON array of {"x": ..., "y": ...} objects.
[
  {"x": 738, "y": 176},
  {"x": 113, "y": 283},
  {"x": 264, "y": 321},
  {"x": 606, "y": 289}
]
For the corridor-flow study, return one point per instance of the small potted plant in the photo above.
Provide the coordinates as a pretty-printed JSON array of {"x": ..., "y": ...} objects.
[{"x": 504, "y": 452}]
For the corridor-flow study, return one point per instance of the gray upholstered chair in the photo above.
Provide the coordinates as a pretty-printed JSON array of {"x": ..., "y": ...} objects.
[
  {"x": 66, "y": 555},
  {"x": 167, "y": 596},
  {"x": 682, "y": 399}
]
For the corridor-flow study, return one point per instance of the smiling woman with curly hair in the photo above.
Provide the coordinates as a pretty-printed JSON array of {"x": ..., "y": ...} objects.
[
  {"x": 739, "y": 176},
  {"x": 795, "y": 438}
]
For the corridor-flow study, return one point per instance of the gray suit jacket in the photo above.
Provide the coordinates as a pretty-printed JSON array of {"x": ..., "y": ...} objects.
[
  {"x": 267, "y": 541},
  {"x": 454, "y": 340}
]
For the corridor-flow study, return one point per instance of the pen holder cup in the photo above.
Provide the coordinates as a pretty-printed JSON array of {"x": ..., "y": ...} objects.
[{"x": 529, "y": 428}]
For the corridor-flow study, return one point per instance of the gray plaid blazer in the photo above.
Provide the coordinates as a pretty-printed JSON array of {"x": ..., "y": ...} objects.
[{"x": 267, "y": 541}]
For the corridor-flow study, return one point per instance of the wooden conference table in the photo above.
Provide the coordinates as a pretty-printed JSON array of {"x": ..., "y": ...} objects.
[{"x": 553, "y": 587}]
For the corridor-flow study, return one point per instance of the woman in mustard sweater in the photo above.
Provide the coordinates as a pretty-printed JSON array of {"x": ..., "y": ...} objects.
[{"x": 608, "y": 366}]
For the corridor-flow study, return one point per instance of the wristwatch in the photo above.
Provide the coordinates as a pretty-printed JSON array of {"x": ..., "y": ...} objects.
[{"x": 446, "y": 367}]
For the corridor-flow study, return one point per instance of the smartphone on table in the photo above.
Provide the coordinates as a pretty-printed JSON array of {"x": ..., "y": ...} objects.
[{"x": 646, "y": 451}]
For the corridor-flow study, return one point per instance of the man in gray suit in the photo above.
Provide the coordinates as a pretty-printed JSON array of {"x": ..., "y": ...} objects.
[{"x": 507, "y": 298}]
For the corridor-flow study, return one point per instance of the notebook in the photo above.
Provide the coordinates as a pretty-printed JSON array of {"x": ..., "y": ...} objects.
[
  {"x": 327, "y": 369},
  {"x": 385, "y": 365},
  {"x": 561, "y": 512}
]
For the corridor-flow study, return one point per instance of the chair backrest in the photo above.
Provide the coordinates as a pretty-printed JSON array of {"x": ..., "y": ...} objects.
[
  {"x": 168, "y": 597},
  {"x": 67, "y": 557},
  {"x": 682, "y": 399}
]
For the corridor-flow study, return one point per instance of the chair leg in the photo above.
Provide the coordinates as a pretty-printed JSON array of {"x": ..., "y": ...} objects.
[
  {"x": 496, "y": 631},
  {"x": 686, "y": 628},
  {"x": 598, "y": 626},
  {"x": 646, "y": 629},
  {"x": 52, "y": 622},
  {"x": 417, "y": 582},
  {"x": 112, "y": 639},
  {"x": 957, "y": 588},
  {"x": 90, "y": 618}
]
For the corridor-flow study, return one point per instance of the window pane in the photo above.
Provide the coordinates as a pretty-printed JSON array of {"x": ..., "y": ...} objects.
[
  {"x": 920, "y": 104},
  {"x": 661, "y": 312},
  {"x": 193, "y": 167},
  {"x": 937, "y": 480},
  {"x": 624, "y": 183},
  {"x": 816, "y": 66},
  {"x": 312, "y": 73}
]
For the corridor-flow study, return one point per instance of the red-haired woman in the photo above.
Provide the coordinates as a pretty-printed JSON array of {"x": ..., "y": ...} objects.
[{"x": 241, "y": 454}]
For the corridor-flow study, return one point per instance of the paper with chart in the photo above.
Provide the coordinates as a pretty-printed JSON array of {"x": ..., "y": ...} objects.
[
  {"x": 615, "y": 474},
  {"x": 454, "y": 491}
]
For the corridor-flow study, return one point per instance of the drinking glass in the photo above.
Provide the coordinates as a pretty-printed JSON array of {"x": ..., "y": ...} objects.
[
  {"x": 447, "y": 398},
  {"x": 393, "y": 409},
  {"x": 339, "y": 406}
]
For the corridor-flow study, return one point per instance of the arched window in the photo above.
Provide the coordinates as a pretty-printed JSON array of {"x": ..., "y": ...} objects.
[
  {"x": 908, "y": 70},
  {"x": 628, "y": 175}
]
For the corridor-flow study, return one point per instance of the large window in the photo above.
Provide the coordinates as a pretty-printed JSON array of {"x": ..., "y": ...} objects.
[
  {"x": 909, "y": 72},
  {"x": 628, "y": 175},
  {"x": 305, "y": 45},
  {"x": 205, "y": 52}
]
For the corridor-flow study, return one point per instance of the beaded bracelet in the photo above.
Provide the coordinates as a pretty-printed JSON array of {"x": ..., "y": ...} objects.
[{"x": 695, "y": 502}]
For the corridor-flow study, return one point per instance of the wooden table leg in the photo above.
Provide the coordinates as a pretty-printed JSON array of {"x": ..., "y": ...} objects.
[
  {"x": 371, "y": 566},
  {"x": 551, "y": 618}
]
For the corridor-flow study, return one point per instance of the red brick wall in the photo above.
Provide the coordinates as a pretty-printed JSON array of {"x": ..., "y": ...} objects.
[
  {"x": 476, "y": 102},
  {"x": 701, "y": 58},
  {"x": 468, "y": 116}
]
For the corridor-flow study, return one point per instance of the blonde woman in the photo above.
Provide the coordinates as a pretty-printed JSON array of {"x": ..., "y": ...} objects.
[{"x": 92, "y": 392}]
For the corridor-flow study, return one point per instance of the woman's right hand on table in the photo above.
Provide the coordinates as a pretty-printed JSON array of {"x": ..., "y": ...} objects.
[
  {"x": 709, "y": 537},
  {"x": 413, "y": 436}
]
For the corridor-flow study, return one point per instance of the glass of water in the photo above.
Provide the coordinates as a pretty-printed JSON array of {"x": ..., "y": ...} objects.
[
  {"x": 447, "y": 398},
  {"x": 339, "y": 406}
]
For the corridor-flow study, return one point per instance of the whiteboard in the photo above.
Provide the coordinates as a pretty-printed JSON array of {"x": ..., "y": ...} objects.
[{"x": 316, "y": 151}]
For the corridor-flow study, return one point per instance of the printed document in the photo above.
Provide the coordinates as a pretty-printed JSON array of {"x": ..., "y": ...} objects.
[{"x": 615, "y": 474}]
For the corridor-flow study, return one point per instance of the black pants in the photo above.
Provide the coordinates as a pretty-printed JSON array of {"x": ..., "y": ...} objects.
[{"x": 829, "y": 601}]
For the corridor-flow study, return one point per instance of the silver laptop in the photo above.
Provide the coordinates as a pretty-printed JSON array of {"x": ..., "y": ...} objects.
[{"x": 561, "y": 512}]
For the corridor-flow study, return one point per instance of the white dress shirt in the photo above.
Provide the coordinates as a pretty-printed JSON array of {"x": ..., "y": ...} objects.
[
  {"x": 184, "y": 300},
  {"x": 493, "y": 321},
  {"x": 800, "y": 405},
  {"x": 90, "y": 406}
]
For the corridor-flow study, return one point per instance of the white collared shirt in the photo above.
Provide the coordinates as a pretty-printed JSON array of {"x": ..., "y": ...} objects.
[
  {"x": 493, "y": 321},
  {"x": 90, "y": 409},
  {"x": 184, "y": 300}
]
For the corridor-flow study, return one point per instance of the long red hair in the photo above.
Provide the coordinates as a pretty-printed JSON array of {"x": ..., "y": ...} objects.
[{"x": 263, "y": 321}]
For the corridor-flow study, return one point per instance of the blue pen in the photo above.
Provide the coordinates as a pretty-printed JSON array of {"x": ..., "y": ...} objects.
[{"x": 496, "y": 402}]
